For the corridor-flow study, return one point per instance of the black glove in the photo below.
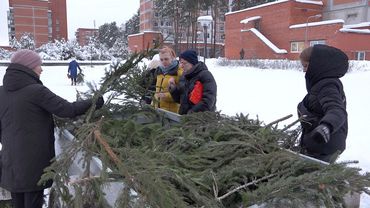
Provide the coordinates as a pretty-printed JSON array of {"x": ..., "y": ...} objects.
[
  {"x": 99, "y": 102},
  {"x": 321, "y": 133}
]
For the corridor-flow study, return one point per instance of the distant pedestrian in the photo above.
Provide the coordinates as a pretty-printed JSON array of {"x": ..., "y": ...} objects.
[
  {"x": 323, "y": 110},
  {"x": 241, "y": 54},
  {"x": 27, "y": 128},
  {"x": 197, "y": 90},
  {"x": 169, "y": 69},
  {"x": 72, "y": 71}
]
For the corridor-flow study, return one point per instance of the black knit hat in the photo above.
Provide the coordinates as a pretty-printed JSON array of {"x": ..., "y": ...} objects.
[{"x": 190, "y": 56}]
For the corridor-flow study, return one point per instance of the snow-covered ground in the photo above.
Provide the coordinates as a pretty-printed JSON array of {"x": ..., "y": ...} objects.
[{"x": 269, "y": 94}]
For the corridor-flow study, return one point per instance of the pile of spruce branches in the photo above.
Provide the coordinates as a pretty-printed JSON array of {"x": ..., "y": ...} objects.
[{"x": 205, "y": 160}]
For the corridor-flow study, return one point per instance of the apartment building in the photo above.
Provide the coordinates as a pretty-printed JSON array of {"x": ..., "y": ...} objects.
[
  {"x": 351, "y": 11},
  {"x": 45, "y": 20},
  {"x": 83, "y": 35},
  {"x": 154, "y": 27}
]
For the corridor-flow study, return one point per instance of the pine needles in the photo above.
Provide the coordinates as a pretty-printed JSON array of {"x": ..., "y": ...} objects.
[{"x": 206, "y": 160}]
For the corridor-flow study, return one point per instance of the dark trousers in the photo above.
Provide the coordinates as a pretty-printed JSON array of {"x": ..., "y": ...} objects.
[
  {"x": 28, "y": 199},
  {"x": 73, "y": 80}
]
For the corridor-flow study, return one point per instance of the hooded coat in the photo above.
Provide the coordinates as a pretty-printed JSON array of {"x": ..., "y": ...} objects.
[
  {"x": 27, "y": 128},
  {"x": 199, "y": 76},
  {"x": 325, "y": 102}
]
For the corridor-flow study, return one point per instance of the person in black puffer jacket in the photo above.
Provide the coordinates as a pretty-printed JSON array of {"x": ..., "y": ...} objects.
[
  {"x": 322, "y": 111},
  {"x": 197, "y": 89},
  {"x": 27, "y": 128}
]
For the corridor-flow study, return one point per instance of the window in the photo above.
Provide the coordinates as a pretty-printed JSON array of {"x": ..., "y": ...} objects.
[
  {"x": 360, "y": 55},
  {"x": 296, "y": 47},
  {"x": 223, "y": 36},
  {"x": 315, "y": 42},
  {"x": 222, "y": 28},
  {"x": 352, "y": 15},
  {"x": 156, "y": 24}
]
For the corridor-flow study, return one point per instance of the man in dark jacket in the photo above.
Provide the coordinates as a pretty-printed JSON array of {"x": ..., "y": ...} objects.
[
  {"x": 197, "y": 90},
  {"x": 27, "y": 128},
  {"x": 323, "y": 110}
]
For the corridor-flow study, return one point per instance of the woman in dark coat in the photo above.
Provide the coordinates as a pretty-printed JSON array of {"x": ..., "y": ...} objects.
[
  {"x": 72, "y": 71},
  {"x": 323, "y": 110},
  {"x": 197, "y": 90},
  {"x": 27, "y": 128}
]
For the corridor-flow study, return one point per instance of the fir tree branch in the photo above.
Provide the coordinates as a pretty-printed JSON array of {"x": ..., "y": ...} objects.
[
  {"x": 290, "y": 125},
  {"x": 107, "y": 148},
  {"x": 244, "y": 186},
  {"x": 278, "y": 120},
  {"x": 215, "y": 186}
]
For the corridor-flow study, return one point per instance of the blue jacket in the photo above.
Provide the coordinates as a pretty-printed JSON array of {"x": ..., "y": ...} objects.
[{"x": 72, "y": 68}]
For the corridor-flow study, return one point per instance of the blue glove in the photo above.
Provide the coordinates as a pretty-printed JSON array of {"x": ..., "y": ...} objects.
[{"x": 321, "y": 134}]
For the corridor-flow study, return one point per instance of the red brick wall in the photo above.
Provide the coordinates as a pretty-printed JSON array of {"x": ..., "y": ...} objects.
[
  {"x": 352, "y": 42},
  {"x": 146, "y": 15},
  {"x": 83, "y": 35},
  {"x": 141, "y": 41},
  {"x": 59, "y": 15},
  {"x": 274, "y": 25},
  {"x": 31, "y": 17},
  {"x": 337, "y": 2},
  {"x": 135, "y": 42}
]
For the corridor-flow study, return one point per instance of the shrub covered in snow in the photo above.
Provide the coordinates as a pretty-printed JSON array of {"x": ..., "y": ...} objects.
[
  {"x": 4, "y": 54},
  {"x": 285, "y": 64}
]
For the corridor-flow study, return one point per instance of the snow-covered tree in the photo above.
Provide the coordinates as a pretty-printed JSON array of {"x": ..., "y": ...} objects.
[
  {"x": 242, "y": 4},
  {"x": 14, "y": 43},
  {"x": 108, "y": 34},
  {"x": 94, "y": 50},
  {"x": 4, "y": 54},
  {"x": 120, "y": 48},
  {"x": 132, "y": 26}
]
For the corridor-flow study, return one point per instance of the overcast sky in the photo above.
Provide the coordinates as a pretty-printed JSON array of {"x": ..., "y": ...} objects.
[
  {"x": 4, "y": 41},
  {"x": 82, "y": 13}
]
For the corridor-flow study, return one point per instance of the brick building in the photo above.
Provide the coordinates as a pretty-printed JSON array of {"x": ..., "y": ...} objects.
[
  {"x": 282, "y": 29},
  {"x": 83, "y": 35},
  {"x": 46, "y": 20},
  {"x": 153, "y": 27}
]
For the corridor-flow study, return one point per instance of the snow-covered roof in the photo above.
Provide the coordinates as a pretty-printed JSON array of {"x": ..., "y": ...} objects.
[
  {"x": 362, "y": 24},
  {"x": 311, "y": 24},
  {"x": 205, "y": 18},
  {"x": 276, "y": 2},
  {"x": 363, "y": 31},
  {"x": 142, "y": 33},
  {"x": 245, "y": 21},
  {"x": 265, "y": 40},
  {"x": 310, "y": 2},
  {"x": 259, "y": 6}
]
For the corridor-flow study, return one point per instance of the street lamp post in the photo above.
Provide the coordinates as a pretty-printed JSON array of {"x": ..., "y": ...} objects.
[
  {"x": 205, "y": 21},
  {"x": 306, "y": 32}
]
